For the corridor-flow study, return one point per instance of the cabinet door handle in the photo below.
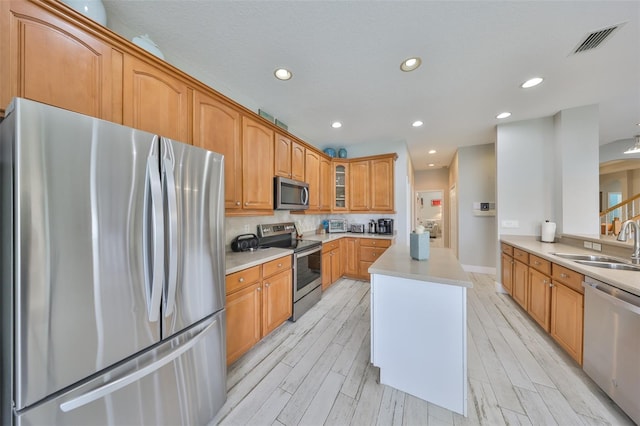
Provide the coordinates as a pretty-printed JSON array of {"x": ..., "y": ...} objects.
[
  {"x": 258, "y": 289},
  {"x": 563, "y": 275},
  {"x": 246, "y": 203},
  {"x": 266, "y": 285},
  {"x": 241, "y": 280},
  {"x": 551, "y": 285},
  {"x": 536, "y": 262},
  {"x": 279, "y": 265},
  {"x": 237, "y": 203}
]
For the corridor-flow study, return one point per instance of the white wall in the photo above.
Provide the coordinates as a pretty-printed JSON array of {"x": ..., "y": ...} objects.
[
  {"x": 524, "y": 176},
  {"x": 577, "y": 137},
  {"x": 476, "y": 183}
]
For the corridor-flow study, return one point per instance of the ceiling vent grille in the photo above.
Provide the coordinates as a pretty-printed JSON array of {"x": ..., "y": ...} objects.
[{"x": 595, "y": 39}]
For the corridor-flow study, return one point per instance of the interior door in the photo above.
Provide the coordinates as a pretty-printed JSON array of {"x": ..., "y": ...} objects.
[
  {"x": 80, "y": 283},
  {"x": 196, "y": 288}
]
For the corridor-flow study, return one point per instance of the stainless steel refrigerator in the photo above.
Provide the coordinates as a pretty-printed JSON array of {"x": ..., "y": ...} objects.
[{"x": 112, "y": 273}]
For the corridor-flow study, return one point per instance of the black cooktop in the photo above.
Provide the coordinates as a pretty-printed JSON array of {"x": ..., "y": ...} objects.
[{"x": 292, "y": 244}]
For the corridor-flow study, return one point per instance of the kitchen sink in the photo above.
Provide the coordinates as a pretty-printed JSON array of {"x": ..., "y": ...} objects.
[
  {"x": 591, "y": 258},
  {"x": 610, "y": 265}
]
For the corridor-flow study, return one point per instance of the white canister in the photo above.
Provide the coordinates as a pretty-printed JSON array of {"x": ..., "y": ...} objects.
[{"x": 548, "y": 232}]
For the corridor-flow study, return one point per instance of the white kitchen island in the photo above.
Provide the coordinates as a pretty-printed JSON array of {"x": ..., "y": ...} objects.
[{"x": 419, "y": 325}]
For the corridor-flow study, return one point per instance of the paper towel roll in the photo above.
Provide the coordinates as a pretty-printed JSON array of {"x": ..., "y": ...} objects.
[{"x": 548, "y": 232}]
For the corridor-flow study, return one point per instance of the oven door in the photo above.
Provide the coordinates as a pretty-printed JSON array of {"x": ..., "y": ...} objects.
[{"x": 307, "y": 273}]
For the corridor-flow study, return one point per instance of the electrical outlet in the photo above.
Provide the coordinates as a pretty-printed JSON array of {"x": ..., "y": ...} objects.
[
  {"x": 587, "y": 244},
  {"x": 597, "y": 246}
]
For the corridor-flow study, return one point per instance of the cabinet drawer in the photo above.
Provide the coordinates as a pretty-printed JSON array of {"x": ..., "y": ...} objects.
[
  {"x": 521, "y": 255},
  {"x": 243, "y": 278},
  {"x": 368, "y": 242},
  {"x": 371, "y": 254},
  {"x": 329, "y": 246},
  {"x": 276, "y": 266},
  {"x": 570, "y": 278},
  {"x": 507, "y": 249},
  {"x": 540, "y": 264}
]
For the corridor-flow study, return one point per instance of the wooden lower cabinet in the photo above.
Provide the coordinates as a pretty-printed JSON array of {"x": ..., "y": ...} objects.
[
  {"x": 244, "y": 320},
  {"x": 258, "y": 300},
  {"x": 539, "y": 303},
  {"x": 331, "y": 263},
  {"x": 520, "y": 283},
  {"x": 551, "y": 294},
  {"x": 351, "y": 256},
  {"x": 369, "y": 251},
  {"x": 507, "y": 273},
  {"x": 277, "y": 300}
]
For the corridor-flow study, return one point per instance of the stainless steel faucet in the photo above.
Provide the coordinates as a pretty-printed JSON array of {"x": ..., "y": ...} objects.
[{"x": 622, "y": 236}]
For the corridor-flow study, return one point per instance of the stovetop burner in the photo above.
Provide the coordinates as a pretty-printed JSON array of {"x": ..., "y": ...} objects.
[{"x": 282, "y": 235}]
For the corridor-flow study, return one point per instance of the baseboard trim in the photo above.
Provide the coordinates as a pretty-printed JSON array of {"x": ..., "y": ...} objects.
[{"x": 479, "y": 269}]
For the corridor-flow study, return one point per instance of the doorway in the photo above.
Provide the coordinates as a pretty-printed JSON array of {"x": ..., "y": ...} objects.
[{"x": 430, "y": 214}]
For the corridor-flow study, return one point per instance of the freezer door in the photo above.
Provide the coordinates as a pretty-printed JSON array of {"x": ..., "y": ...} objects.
[
  {"x": 193, "y": 184},
  {"x": 80, "y": 291},
  {"x": 180, "y": 382}
]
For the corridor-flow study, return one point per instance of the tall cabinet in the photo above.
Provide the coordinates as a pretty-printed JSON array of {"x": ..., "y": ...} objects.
[{"x": 257, "y": 165}]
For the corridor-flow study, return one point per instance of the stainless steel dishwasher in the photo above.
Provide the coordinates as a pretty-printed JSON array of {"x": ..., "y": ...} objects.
[{"x": 612, "y": 343}]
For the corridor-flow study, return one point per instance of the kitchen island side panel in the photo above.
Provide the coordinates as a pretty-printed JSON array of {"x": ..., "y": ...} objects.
[{"x": 419, "y": 339}]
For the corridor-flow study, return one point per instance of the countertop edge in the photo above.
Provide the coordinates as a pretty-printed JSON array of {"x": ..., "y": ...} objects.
[
  {"x": 239, "y": 261},
  {"x": 620, "y": 279},
  {"x": 442, "y": 267}
]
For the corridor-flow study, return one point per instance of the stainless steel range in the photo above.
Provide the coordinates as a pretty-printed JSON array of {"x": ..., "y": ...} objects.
[{"x": 307, "y": 265}]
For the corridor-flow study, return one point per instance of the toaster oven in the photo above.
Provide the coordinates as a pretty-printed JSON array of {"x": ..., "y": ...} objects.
[
  {"x": 357, "y": 228},
  {"x": 337, "y": 225}
]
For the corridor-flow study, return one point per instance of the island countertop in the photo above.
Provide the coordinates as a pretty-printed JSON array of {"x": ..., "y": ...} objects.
[{"x": 442, "y": 266}]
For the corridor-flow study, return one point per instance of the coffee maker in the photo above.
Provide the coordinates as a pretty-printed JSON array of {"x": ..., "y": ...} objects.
[{"x": 385, "y": 226}]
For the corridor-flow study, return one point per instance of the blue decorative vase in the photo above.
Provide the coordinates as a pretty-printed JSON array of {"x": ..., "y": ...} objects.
[
  {"x": 342, "y": 153},
  {"x": 330, "y": 152}
]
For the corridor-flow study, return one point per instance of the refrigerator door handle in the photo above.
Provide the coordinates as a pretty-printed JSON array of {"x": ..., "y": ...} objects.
[
  {"x": 120, "y": 382},
  {"x": 169, "y": 189},
  {"x": 153, "y": 237}
]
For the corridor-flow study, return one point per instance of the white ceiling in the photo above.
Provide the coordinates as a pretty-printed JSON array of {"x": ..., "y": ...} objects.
[{"x": 345, "y": 58}]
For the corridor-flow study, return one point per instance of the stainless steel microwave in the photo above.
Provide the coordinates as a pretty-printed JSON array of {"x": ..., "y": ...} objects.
[{"x": 290, "y": 194}]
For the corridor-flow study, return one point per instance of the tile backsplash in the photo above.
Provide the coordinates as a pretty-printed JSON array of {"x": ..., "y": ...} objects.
[{"x": 235, "y": 226}]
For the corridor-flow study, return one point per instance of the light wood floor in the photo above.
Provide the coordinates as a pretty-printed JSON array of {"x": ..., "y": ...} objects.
[{"x": 316, "y": 371}]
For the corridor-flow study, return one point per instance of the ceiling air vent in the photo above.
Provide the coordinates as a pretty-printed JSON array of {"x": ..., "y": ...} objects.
[{"x": 595, "y": 39}]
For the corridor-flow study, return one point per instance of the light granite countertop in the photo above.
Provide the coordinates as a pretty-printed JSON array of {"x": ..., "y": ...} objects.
[
  {"x": 624, "y": 280},
  {"x": 325, "y": 238},
  {"x": 242, "y": 260},
  {"x": 442, "y": 266}
]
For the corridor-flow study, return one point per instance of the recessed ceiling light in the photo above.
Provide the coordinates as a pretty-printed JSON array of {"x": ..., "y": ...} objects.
[
  {"x": 417, "y": 123},
  {"x": 283, "y": 74},
  {"x": 336, "y": 124},
  {"x": 531, "y": 82},
  {"x": 432, "y": 151},
  {"x": 410, "y": 64},
  {"x": 430, "y": 164},
  {"x": 503, "y": 115}
]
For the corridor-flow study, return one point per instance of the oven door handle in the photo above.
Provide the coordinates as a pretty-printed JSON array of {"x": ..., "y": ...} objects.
[{"x": 308, "y": 252}]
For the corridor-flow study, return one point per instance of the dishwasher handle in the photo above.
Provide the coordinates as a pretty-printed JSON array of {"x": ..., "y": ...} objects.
[{"x": 616, "y": 296}]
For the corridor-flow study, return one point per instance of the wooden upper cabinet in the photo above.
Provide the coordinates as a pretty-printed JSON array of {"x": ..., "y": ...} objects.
[
  {"x": 326, "y": 193},
  {"x": 282, "y": 166},
  {"x": 340, "y": 186},
  {"x": 382, "y": 198},
  {"x": 51, "y": 60},
  {"x": 257, "y": 165},
  {"x": 217, "y": 127},
  {"x": 297, "y": 161},
  {"x": 359, "y": 186},
  {"x": 312, "y": 177},
  {"x": 154, "y": 100}
]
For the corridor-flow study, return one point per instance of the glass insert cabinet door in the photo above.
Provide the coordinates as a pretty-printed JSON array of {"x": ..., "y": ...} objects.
[{"x": 340, "y": 175}]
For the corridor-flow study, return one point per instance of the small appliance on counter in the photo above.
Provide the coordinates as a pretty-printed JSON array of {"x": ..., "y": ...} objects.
[
  {"x": 337, "y": 225},
  {"x": 356, "y": 228},
  {"x": 385, "y": 226},
  {"x": 373, "y": 227},
  {"x": 244, "y": 242}
]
